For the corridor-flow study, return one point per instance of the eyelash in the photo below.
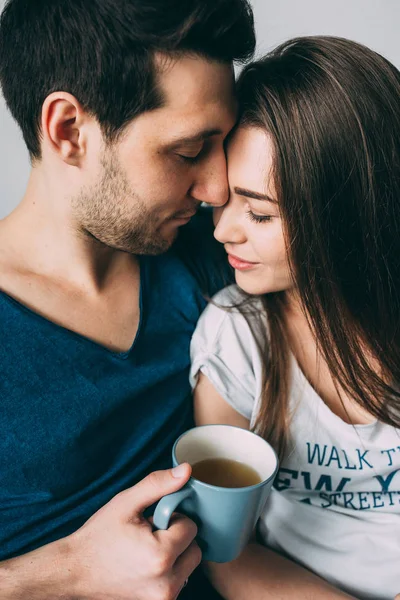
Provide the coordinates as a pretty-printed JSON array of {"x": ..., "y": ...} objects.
[
  {"x": 258, "y": 218},
  {"x": 190, "y": 159}
]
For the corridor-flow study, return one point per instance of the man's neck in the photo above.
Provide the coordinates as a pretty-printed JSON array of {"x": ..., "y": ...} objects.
[{"x": 41, "y": 237}]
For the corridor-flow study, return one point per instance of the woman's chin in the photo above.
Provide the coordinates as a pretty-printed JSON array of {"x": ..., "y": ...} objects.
[
  {"x": 250, "y": 285},
  {"x": 256, "y": 285}
]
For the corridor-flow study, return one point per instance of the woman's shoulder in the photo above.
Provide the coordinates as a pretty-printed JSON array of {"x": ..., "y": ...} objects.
[
  {"x": 232, "y": 303},
  {"x": 226, "y": 348},
  {"x": 232, "y": 309},
  {"x": 232, "y": 295}
]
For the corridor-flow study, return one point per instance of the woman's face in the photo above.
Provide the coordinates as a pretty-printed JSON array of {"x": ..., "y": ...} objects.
[{"x": 249, "y": 225}]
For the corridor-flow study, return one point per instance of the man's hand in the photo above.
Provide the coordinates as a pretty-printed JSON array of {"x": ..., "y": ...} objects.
[
  {"x": 119, "y": 557},
  {"x": 116, "y": 555}
]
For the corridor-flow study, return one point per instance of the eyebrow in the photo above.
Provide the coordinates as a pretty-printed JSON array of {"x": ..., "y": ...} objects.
[
  {"x": 255, "y": 195},
  {"x": 198, "y": 137}
]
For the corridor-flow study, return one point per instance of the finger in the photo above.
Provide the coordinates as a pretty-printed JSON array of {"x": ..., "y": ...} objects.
[
  {"x": 186, "y": 564},
  {"x": 179, "y": 535},
  {"x": 135, "y": 500},
  {"x": 151, "y": 521}
]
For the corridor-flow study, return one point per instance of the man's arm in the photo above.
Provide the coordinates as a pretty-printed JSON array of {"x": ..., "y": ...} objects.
[
  {"x": 44, "y": 573},
  {"x": 116, "y": 554}
]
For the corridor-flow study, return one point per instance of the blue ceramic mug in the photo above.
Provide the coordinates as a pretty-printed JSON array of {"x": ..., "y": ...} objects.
[{"x": 226, "y": 517}]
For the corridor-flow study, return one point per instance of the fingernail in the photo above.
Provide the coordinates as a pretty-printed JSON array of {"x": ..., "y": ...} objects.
[{"x": 179, "y": 471}]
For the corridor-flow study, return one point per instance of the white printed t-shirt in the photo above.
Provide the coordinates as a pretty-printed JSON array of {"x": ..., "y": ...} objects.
[{"x": 335, "y": 504}]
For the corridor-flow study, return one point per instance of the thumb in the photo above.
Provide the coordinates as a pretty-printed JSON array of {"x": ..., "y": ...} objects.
[{"x": 153, "y": 487}]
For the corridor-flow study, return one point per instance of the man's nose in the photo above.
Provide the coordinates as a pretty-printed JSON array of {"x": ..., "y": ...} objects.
[{"x": 211, "y": 185}]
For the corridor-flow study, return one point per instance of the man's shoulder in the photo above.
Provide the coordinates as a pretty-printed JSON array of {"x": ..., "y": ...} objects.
[{"x": 202, "y": 254}]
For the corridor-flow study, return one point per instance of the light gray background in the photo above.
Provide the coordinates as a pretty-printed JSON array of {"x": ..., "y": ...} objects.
[{"x": 372, "y": 22}]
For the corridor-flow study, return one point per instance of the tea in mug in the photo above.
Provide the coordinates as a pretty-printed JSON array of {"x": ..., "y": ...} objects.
[{"x": 224, "y": 472}]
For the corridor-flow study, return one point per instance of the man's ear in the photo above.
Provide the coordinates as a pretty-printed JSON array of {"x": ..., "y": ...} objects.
[{"x": 63, "y": 127}]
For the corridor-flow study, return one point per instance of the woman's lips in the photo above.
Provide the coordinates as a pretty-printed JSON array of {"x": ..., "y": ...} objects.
[{"x": 239, "y": 264}]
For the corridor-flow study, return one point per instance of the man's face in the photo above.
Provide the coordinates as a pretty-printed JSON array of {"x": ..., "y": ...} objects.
[{"x": 168, "y": 161}]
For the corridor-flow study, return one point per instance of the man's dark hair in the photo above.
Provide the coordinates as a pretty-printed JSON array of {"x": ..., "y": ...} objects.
[{"x": 102, "y": 52}]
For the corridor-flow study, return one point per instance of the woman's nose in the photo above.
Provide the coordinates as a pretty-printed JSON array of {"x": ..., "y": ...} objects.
[{"x": 228, "y": 225}]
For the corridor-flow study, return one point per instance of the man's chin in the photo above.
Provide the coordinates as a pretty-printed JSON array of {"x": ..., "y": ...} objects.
[
  {"x": 158, "y": 245},
  {"x": 166, "y": 235},
  {"x": 142, "y": 243}
]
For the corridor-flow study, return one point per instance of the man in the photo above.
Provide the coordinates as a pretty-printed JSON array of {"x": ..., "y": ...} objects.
[{"x": 124, "y": 106}]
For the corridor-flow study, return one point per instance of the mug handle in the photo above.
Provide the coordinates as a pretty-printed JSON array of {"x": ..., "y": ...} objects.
[{"x": 168, "y": 505}]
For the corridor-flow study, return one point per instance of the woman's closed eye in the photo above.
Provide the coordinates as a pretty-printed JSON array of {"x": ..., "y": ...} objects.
[{"x": 258, "y": 218}]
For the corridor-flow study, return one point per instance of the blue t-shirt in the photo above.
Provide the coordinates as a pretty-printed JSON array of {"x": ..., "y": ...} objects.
[{"x": 78, "y": 422}]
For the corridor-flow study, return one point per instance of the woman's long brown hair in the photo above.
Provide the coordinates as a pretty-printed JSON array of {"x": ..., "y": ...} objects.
[{"x": 332, "y": 107}]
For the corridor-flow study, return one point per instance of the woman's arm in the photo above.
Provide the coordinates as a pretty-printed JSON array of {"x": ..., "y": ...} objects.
[
  {"x": 259, "y": 573},
  {"x": 211, "y": 409}
]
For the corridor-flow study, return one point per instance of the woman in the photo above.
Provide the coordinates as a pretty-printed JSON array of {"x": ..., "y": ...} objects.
[{"x": 305, "y": 350}]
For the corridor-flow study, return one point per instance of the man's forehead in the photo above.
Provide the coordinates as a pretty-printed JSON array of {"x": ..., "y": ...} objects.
[
  {"x": 197, "y": 136},
  {"x": 190, "y": 83},
  {"x": 174, "y": 126},
  {"x": 198, "y": 102},
  {"x": 181, "y": 131}
]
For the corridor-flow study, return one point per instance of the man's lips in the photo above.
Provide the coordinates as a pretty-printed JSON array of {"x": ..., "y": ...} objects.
[
  {"x": 186, "y": 217},
  {"x": 239, "y": 263}
]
